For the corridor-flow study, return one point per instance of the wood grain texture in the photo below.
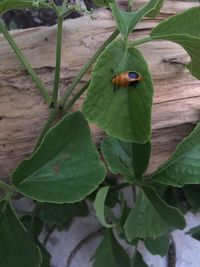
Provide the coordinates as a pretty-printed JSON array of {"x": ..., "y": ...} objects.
[{"x": 176, "y": 107}]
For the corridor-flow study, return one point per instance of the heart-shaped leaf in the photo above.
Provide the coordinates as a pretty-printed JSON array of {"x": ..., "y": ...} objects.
[
  {"x": 66, "y": 166},
  {"x": 128, "y": 159},
  {"x": 150, "y": 208},
  {"x": 184, "y": 30},
  {"x": 125, "y": 113},
  {"x": 183, "y": 167},
  {"x": 16, "y": 249}
]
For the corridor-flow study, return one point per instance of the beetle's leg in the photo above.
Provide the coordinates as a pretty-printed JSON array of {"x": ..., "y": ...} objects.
[{"x": 115, "y": 87}]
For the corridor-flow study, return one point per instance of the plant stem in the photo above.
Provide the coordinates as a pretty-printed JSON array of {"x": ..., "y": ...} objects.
[
  {"x": 87, "y": 66},
  {"x": 47, "y": 126},
  {"x": 58, "y": 61},
  {"x": 76, "y": 97},
  {"x": 5, "y": 186},
  {"x": 141, "y": 41},
  {"x": 130, "y": 3},
  {"x": 25, "y": 63}
]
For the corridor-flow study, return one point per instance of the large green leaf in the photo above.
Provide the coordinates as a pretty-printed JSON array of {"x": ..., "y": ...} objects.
[
  {"x": 111, "y": 253},
  {"x": 151, "y": 217},
  {"x": 159, "y": 245},
  {"x": 183, "y": 167},
  {"x": 126, "y": 158},
  {"x": 184, "y": 30},
  {"x": 16, "y": 249},
  {"x": 99, "y": 206},
  {"x": 126, "y": 21},
  {"x": 60, "y": 213},
  {"x": 125, "y": 113},
  {"x": 66, "y": 166},
  {"x": 6, "y": 5}
]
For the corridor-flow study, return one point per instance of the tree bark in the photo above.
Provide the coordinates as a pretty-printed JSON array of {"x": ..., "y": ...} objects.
[{"x": 23, "y": 113}]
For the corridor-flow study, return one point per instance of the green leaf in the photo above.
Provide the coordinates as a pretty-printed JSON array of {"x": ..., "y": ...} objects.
[
  {"x": 184, "y": 30},
  {"x": 192, "y": 193},
  {"x": 60, "y": 213},
  {"x": 126, "y": 21},
  {"x": 183, "y": 167},
  {"x": 111, "y": 253},
  {"x": 125, "y": 113},
  {"x": 138, "y": 260},
  {"x": 118, "y": 155},
  {"x": 99, "y": 206},
  {"x": 158, "y": 246},
  {"x": 102, "y": 2},
  {"x": 141, "y": 156},
  {"x": 6, "y": 5},
  {"x": 154, "y": 12},
  {"x": 150, "y": 208},
  {"x": 16, "y": 249},
  {"x": 33, "y": 226},
  {"x": 126, "y": 158},
  {"x": 66, "y": 166},
  {"x": 194, "y": 232}
]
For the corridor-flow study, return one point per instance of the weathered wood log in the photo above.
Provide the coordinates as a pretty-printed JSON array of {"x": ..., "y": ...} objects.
[{"x": 22, "y": 111}]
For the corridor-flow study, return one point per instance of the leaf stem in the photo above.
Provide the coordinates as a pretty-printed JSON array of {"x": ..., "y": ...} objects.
[
  {"x": 5, "y": 186},
  {"x": 25, "y": 63},
  {"x": 58, "y": 60},
  {"x": 87, "y": 66},
  {"x": 76, "y": 97},
  {"x": 141, "y": 41},
  {"x": 47, "y": 126}
]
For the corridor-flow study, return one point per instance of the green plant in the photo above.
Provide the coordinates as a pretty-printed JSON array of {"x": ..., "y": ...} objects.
[{"x": 65, "y": 169}]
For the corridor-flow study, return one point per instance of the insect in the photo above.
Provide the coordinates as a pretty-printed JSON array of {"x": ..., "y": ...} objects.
[{"x": 126, "y": 79}]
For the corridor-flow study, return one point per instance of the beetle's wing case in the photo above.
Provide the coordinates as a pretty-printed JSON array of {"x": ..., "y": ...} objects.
[{"x": 133, "y": 75}]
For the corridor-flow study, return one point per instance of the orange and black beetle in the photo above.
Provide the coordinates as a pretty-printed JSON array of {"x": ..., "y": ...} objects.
[{"x": 126, "y": 79}]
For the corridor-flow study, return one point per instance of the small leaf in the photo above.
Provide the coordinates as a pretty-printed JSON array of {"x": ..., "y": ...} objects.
[
  {"x": 125, "y": 113},
  {"x": 60, "y": 213},
  {"x": 111, "y": 253},
  {"x": 66, "y": 166},
  {"x": 183, "y": 167},
  {"x": 126, "y": 21},
  {"x": 118, "y": 155},
  {"x": 150, "y": 208},
  {"x": 33, "y": 227},
  {"x": 194, "y": 232},
  {"x": 154, "y": 12},
  {"x": 16, "y": 249},
  {"x": 192, "y": 193},
  {"x": 6, "y": 5},
  {"x": 158, "y": 246},
  {"x": 141, "y": 156},
  {"x": 99, "y": 205},
  {"x": 184, "y": 30},
  {"x": 138, "y": 260},
  {"x": 126, "y": 158}
]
